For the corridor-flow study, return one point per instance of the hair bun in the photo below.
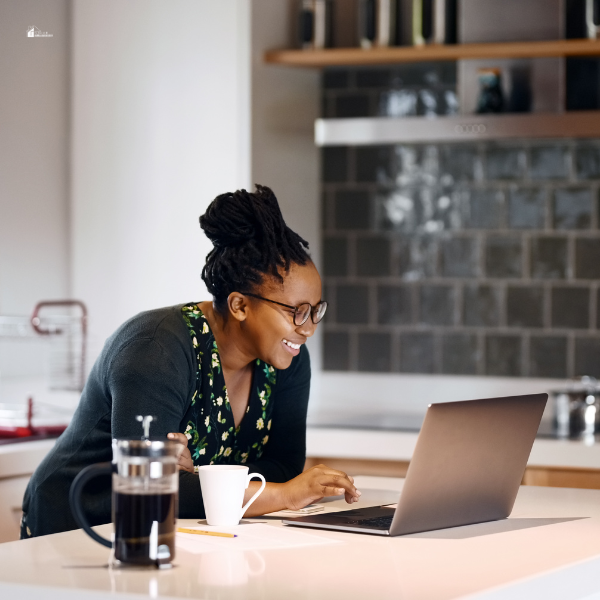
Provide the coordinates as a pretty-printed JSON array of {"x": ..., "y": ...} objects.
[
  {"x": 250, "y": 240},
  {"x": 229, "y": 220}
]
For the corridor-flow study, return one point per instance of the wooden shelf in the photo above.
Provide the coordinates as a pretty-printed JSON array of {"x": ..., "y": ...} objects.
[{"x": 333, "y": 57}]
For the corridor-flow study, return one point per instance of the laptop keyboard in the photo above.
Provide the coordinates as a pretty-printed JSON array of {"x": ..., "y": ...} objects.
[{"x": 384, "y": 522}]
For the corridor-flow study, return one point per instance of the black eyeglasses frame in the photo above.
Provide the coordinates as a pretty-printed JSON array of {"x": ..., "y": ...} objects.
[{"x": 313, "y": 309}]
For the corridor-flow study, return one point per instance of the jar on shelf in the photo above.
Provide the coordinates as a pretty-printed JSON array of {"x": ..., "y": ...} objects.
[{"x": 491, "y": 97}]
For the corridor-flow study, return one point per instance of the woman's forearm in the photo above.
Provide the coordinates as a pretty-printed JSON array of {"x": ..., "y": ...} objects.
[
  {"x": 271, "y": 499},
  {"x": 310, "y": 486}
]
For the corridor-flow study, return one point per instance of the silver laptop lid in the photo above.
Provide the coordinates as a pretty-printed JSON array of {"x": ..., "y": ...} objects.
[{"x": 468, "y": 462}]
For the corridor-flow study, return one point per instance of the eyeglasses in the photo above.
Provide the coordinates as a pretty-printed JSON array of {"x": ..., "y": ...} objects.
[{"x": 301, "y": 312}]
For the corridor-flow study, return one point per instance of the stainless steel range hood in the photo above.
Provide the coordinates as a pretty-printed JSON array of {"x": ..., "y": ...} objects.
[{"x": 382, "y": 130}]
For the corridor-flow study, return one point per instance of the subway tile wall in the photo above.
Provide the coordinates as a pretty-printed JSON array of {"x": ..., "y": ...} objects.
[{"x": 467, "y": 258}]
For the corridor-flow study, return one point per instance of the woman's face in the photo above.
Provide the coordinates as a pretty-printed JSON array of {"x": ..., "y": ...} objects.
[{"x": 270, "y": 328}]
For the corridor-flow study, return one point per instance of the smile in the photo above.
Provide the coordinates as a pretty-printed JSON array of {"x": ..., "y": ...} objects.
[{"x": 292, "y": 345}]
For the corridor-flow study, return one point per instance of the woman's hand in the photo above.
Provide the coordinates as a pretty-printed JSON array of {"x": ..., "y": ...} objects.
[
  {"x": 316, "y": 483},
  {"x": 185, "y": 462}
]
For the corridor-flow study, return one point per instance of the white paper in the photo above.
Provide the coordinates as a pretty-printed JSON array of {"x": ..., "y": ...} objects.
[{"x": 257, "y": 536}]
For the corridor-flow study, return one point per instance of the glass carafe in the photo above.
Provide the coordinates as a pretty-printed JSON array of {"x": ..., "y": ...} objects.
[{"x": 145, "y": 486}]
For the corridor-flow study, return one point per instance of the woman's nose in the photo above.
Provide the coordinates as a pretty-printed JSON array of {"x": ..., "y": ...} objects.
[{"x": 307, "y": 328}]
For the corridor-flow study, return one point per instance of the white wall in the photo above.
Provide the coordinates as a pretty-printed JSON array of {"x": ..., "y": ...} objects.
[
  {"x": 34, "y": 134},
  {"x": 160, "y": 126},
  {"x": 34, "y": 143},
  {"x": 155, "y": 98}
]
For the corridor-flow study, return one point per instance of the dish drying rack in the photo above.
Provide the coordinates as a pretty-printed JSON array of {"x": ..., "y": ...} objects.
[{"x": 62, "y": 327}]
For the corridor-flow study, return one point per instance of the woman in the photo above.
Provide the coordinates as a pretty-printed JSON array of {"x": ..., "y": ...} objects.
[{"x": 229, "y": 378}]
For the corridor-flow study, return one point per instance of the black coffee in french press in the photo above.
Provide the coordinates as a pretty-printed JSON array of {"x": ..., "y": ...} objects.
[{"x": 145, "y": 486}]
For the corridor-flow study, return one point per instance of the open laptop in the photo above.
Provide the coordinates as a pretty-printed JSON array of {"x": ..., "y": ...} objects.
[{"x": 466, "y": 468}]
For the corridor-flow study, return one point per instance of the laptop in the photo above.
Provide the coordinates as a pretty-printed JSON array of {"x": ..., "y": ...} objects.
[{"x": 467, "y": 467}]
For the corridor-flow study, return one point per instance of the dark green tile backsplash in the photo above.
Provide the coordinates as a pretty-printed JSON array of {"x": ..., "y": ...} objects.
[{"x": 468, "y": 258}]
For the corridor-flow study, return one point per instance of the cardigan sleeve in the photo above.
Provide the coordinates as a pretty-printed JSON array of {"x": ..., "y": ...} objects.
[
  {"x": 145, "y": 380},
  {"x": 285, "y": 454}
]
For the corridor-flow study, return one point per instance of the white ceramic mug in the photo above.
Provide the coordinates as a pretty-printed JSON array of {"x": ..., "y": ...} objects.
[{"x": 223, "y": 488}]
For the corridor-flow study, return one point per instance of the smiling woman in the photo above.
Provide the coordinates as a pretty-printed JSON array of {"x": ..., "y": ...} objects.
[{"x": 227, "y": 378}]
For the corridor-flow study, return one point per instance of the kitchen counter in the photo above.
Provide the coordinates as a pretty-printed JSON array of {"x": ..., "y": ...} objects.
[
  {"x": 373, "y": 444},
  {"x": 377, "y": 417},
  {"x": 370, "y": 436},
  {"x": 549, "y": 548},
  {"x": 342, "y": 442},
  {"x": 22, "y": 458},
  {"x": 28, "y": 438},
  {"x": 17, "y": 462}
]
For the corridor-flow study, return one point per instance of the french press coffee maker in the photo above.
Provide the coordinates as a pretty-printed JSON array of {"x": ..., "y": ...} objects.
[{"x": 145, "y": 486}]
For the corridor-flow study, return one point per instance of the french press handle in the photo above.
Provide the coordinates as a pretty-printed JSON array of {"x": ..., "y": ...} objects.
[{"x": 77, "y": 486}]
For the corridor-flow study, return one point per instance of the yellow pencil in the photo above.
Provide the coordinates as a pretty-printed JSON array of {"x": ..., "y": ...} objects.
[{"x": 202, "y": 532}]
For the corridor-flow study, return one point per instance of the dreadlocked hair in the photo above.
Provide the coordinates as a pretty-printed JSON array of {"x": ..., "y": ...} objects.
[{"x": 251, "y": 241}]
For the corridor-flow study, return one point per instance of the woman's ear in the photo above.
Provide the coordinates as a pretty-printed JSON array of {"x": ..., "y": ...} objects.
[{"x": 238, "y": 306}]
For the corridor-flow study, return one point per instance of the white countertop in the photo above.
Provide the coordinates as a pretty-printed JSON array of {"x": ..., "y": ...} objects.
[
  {"x": 22, "y": 458},
  {"x": 371, "y": 444},
  {"x": 549, "y": 548}
]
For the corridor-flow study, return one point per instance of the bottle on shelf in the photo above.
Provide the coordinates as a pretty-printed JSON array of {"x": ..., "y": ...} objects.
[
  {"x": 592, "y": 18},
  {"x": 306, "y": 24},
  {"x": 315, "y": 29},
  {"x": 434, "y": 22},
  {"x": 582, "y": 74},
  {"x": 445, "y": 20},
  {"x": 380, "y": 23}
]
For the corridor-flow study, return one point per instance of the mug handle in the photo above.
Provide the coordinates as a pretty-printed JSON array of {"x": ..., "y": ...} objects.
[
  {"x": 75, "y": 498},
  {"x": 262, "y": 487}
]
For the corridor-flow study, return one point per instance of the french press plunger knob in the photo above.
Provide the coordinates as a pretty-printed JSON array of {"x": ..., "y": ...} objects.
[{"x": 145, "y": 421}]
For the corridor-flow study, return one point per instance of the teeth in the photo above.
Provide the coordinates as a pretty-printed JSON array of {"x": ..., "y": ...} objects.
[{"x": 294, "y": 346}]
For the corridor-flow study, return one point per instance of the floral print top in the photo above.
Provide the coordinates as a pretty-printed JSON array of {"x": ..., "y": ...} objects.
[{"x": 211, "y": 432}]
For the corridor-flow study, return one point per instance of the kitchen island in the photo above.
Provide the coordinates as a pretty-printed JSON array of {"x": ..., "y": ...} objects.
[{"x": 549, "y": 548}]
